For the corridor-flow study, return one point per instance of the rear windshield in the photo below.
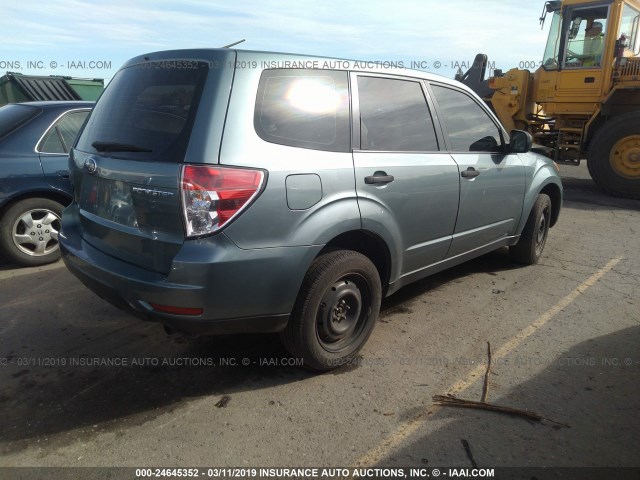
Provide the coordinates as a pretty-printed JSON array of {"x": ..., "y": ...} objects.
[
  {"x": 147, "y": 111},
  {"x": 13, "y": 116}
]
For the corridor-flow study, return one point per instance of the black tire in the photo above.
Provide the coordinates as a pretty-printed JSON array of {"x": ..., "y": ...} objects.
[
  {"x": 614, "y": 169},
  {"x": 340, "y": 286},
  {"x": 35, "y": 244},
  {"x": 529, "y": 248}
]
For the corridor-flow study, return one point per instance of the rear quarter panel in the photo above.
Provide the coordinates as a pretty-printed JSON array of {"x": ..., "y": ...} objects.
[
  {"x": 21, "y": 171},
  {"x": 270, "y": 222}
]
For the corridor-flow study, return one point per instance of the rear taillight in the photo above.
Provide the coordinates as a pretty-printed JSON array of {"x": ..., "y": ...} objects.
[{"x": 211, "y": 196}]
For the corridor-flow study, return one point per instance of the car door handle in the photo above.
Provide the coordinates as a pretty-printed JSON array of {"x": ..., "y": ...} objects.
[
  {"x": 379, "y": 179},
  {"x": 469, "y": 173}
]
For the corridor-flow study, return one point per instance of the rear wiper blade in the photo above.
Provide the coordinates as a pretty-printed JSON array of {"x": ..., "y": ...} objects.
[{"x": 118, "y": 147}]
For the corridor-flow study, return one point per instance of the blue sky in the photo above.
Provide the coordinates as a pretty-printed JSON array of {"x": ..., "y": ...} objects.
[{"x": 91, "y": 39}]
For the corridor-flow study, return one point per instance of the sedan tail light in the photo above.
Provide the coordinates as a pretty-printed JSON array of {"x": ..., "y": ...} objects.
[{"x": 212, "y": 196}]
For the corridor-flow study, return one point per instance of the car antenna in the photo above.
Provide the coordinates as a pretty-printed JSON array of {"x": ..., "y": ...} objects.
[{"x": 233, "y": 44}]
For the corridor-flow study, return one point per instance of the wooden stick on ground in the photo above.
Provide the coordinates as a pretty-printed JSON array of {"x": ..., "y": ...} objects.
[
  {"x": 485, "y": 385},
  {"x": 451, "y": 401}
]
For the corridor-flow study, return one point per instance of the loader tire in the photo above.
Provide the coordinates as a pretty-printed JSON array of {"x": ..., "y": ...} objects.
[{"x": 614, "y": 156}]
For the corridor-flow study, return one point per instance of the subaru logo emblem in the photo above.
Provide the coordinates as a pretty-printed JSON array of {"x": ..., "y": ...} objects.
[{"x": 91, "y": 165}]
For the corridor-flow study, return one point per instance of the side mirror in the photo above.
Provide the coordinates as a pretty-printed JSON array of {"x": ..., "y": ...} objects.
[{"x": 520, "y": 141}]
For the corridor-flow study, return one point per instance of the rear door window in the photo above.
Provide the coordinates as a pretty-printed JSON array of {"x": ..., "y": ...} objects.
[
  {"x": 147, "y": 110},
  {"x": 62, "y": 134},
  {"x": 394, "y": 116},
  {"x": 469, "y": 127},
  {"x": 304, "y": 108}
]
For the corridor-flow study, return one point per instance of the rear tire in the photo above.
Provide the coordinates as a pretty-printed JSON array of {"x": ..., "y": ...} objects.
[
  {"x": 614, "y": 156},
  {"x": 529, "y": 248},
  {"x": 29, "y": 232},
  {"x": 335, "y": 312}
]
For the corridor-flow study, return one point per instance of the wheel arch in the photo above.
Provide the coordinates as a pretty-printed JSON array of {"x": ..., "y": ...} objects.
[
  {"x": 620, "y": 101},
  {"x": 544, "y": 181},
  {"x": 59, "y": 197},
  {"x": 368, "y": 244}
]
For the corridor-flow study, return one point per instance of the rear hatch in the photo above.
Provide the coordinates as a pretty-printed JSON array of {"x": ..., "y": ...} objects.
[{"x": 159, "y": 111}]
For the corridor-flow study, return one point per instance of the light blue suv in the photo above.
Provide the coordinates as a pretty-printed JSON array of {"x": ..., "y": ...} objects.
[{"x": 221, "y": 191}]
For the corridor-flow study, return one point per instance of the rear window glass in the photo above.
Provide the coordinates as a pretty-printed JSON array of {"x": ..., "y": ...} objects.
[
  {"x": 60, "y": 137},
  {"x": 147, "y": 111},
  {"x": 13, "y": 116},
  {"x": 394, "y": 116},
  {"x": 304, "y": 108}
]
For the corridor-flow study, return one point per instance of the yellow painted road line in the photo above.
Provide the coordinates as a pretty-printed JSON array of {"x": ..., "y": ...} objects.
[{"x": 410, "y": 427}]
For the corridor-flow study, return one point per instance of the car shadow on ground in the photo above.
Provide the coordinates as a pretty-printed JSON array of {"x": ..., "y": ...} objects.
[
  {"x": 116, "y": 366},
  {"x": 70, "y": 361},
  {"x": 38, "y": 401},
  {"x": 585, "y": 193},
  {"x": 594, "y": 380}
]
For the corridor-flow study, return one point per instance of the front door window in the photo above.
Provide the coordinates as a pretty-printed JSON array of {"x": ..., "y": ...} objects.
[{"x": 585, "y": 38}]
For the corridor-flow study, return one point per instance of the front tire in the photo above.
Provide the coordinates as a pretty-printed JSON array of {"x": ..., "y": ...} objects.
[
  {"x": 529, "y": 248},
  {"x": 29, "y": 232},
  {"x": 336, "y": 310},
  {"x": 614, "y": 156}
]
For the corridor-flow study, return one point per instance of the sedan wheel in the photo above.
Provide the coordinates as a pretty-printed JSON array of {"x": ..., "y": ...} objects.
[
  {"x": 29, "y": 231},
  {"x": 36, "y": 232}
]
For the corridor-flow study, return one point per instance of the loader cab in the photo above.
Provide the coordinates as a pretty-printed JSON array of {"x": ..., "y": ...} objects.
[
  {"x": 583, "y": 35},
  {"x": 586, "y": 40},
  {"x": 577, "y": 37}
]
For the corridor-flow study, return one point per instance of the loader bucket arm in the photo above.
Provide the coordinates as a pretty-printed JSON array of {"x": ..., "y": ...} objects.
[{"x": 474, "y": 78}]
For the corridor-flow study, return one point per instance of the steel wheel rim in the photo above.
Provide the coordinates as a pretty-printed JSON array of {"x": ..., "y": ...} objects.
[
  {"x": 625, "y": 157},
  {"x": 343, "y": 312},
  {"x": 35, "y": 232}
]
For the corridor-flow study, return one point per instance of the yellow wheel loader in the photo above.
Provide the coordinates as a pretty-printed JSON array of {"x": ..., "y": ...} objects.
[{"x": 583, "y": 101}]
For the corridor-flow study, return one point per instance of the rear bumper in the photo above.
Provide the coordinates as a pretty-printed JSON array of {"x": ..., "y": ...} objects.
[{"x": 239, "y": 291}]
